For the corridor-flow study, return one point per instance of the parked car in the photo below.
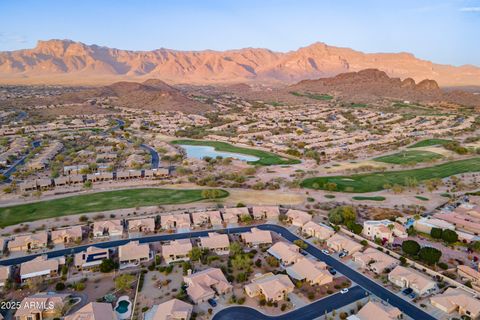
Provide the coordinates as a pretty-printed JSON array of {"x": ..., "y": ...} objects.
[
  {"x": 332, "y": 271},
  {"x": 343, "y": 291},
  {"x": 342, "y": 254},
  {"x": 412, "y": 295},
  {"x": 212, "y": 302},
  {"x": 324, "y": 251},
  {"x": 407, "y": 291}
]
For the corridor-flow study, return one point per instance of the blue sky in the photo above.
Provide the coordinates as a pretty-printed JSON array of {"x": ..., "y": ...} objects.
[{"x": 438, "y": 30}]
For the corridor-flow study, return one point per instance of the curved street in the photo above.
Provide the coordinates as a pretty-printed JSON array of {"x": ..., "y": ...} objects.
[
  {"x": 7, "y": 173},
  {"x": 357, "y": 277},
  {"x": 308, "y": 312}
]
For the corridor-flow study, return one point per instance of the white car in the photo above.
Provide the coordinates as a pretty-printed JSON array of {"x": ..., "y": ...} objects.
[
  {"x": 325, "y": 251},
  {"x": 343, "y": 291}
]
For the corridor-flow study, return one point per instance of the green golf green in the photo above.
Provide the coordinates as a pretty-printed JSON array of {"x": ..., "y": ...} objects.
[
  {"x": 100, "y": 201},
  {"x": 375, "y": 198},
  {"x": 265, "y": 158},
  {"x": 429, "y": 143},
  {"x": 422, "y": 198},
  {"x": 376, "y": 181},
  {"x": 409, "y": 157}
]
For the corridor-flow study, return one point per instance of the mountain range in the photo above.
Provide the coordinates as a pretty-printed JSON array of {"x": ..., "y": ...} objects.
[{"x": 69, "y": 62}]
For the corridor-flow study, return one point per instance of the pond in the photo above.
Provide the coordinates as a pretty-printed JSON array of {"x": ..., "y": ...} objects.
[{"x": 200, "y": 152}]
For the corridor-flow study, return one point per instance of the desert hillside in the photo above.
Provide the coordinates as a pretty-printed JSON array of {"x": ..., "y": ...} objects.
[
  {"x": 372, "y": 84},
  {"x": 69, "y": 62}
]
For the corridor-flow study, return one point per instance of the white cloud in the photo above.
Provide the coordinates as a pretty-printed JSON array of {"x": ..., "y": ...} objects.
[
  {"x": 470, "y": 9},
  {"x": 11, "y": 37}
]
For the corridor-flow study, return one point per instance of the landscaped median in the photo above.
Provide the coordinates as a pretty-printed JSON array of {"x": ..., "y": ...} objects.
[
  {"x": 265, "y": 158},
  {"x": 376, "y": 181},
  {"x": 103, "y": 201}
]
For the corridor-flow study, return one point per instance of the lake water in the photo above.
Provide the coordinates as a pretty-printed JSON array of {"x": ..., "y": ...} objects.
[{"x": 200, "y": 152}]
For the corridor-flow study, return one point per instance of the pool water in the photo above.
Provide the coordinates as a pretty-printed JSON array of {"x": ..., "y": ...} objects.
[
  {"x": 200, "y": 152},
  {"x": 122, "y": 306}
]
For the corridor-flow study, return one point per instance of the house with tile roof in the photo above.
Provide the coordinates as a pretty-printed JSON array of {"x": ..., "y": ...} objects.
[
  {"x": 42, "y": 306},
  {"x": 94, "y": 311},
  {"x": 107, "y": 228},
  {"x": 341, "y": 243},
  {"x": 374, "y": 260},
  {"x": 317, "y": 230},
  {"x": 265, "y": 212},
  {"x": 298, "y": 218},
  {"x": 67, "y": 235},
  {"x": 173, "y": 309},
  {"x": 177, "y": 250},
  {"x": 144, "y": 225},
  {"x": 409, "y": 278},
  {"x": 40, "y": 266},
  {"x": 312, "y": 271},
  {"x": 273, "y": 287},
  {"x": 286, "y": 253},
  {"x": 206, "y": 284},
  {"x": 133, "y": 254},
  {"x": 256, "y": 237},
  {"x": 28, "y": 242},
  {"x": 377, "y": 311},
  {"x": 216, "y": 242},
  {"x": 456, "y": 300}
]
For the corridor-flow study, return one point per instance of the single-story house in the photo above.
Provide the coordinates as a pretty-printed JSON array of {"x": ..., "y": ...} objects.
[
  {"x": 205, "y": 284},
  {"x": 177, "y": 250},
  {"x": 273, "y": 287}
]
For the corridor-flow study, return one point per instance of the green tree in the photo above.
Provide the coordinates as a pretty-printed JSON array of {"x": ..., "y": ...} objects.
[
  {"x": 246, "y": 218},
  {"x": 354, "y": 227},
  {"x": 241, "y": 262},
  {"x": 429, "y": 255},
  {"x": 475, "y": 246},
  {"x": 300, "y": 243},
  {"x": 449, "y": 236},
  {"x": 436, "y": 233},
  {"x": 335, "y": 217},
  {"x": 410, "y": 247},
  {"x": 235, "y": 249},
  {"x": 107, "y": 265},
  {"x": 342, "y": 214},
  {"x": 195, "y": 254}
]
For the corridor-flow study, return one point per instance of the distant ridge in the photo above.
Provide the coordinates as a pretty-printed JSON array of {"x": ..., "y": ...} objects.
[
  {"x": 372, "y": 84},
  {"x": 69, "y": 62}
]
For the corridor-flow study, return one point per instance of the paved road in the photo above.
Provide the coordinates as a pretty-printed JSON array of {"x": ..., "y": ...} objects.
[
  {"x": 152, "y": 151},
  {"x": 7, "y": 173},
  {"x": 373, "y": 287},
  {"x": 308, "y": 312},
  {"x": 154, "y": 154}
]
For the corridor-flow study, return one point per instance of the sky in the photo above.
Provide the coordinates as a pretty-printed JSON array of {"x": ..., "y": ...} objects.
[{"x": 443, "y": 31}]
